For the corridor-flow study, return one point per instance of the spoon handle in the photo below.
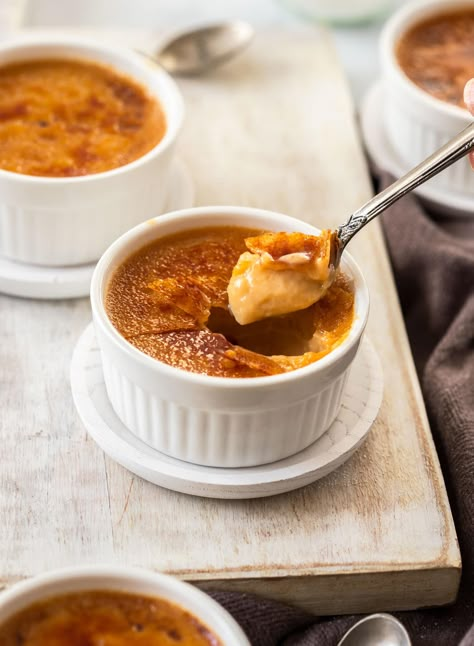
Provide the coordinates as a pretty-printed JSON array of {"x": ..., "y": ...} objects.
[{"x": 456, "y": 148}]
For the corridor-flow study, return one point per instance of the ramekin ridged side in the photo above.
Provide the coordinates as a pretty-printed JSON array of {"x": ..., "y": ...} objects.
[
  {"x": 214, "y": 421},
  {"x": 131, "y": 580},
  {"x": 417, "y": 123},
  {"x": 55, "y": 221},
  {"x": 226, "y": 438}
]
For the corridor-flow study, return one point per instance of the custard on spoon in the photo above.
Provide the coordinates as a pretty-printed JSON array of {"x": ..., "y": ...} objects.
[
  {"x": 287, "y": 272},
  {"x": 281, "y": 273}
]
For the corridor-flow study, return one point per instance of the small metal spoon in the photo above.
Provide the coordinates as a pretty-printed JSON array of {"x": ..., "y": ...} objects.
[
  {"x": 376, "y": 630},
  {"x": 198, "y": 50},
  {"x": 456, "y": 148},
  {"x": 320, "y": 274}
]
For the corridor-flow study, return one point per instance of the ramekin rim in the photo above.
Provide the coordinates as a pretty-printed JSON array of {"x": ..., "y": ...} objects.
[
  {"x": 391, "y": 32},
  {"x": 100, "y": 315},
  {"x": 132, "y": 574},
  {"x": 33, "y": 40}
]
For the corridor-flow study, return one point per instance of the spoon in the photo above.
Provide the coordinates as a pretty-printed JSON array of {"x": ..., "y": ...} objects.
[
  {"x": 376, "y": 630},
  {"x": 259, "y": 289},
  {"x": 198, "y": 50},
  {"x": 456, "y": 148}
]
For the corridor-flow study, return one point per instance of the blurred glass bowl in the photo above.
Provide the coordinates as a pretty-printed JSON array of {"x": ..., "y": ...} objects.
[{"x": 340, "y": 12}]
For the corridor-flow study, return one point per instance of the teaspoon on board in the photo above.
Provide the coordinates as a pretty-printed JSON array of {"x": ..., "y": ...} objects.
[
  {"x": 198, "y": 50},
  {"x": 376, "y": 630}
]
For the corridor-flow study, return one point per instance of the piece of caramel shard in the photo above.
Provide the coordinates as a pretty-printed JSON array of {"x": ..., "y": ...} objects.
[{"x": 184, "y": 293}]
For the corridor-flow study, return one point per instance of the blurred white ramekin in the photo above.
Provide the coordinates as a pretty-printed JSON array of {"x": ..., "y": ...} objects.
[
  {"x": 417, "y": 123},
  {"x": 218, "y": 421},
  {"x": 123, "y": 579},
  {"x": 71, "y": 221}
]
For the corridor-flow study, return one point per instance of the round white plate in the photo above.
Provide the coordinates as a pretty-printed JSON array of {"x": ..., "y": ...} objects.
[
  {"x": 360, "y": 404},
  {"x": 385, "y": 157},
  {"x": 34, "y": 281}
]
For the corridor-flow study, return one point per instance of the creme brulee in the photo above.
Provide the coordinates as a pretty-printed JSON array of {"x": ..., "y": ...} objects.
[
  {"x": 170, "y": 301},
  {"x": 438, "y": 54},
  {"x": 70, "y": 118},
  {"x": 86, "y": 618}
]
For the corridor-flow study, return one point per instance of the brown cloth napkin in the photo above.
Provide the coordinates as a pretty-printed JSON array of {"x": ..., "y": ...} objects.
[{"x": 433, "y": 262}]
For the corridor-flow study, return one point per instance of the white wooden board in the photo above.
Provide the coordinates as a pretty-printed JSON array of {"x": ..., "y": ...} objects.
[{"x": 274, "y": 129}]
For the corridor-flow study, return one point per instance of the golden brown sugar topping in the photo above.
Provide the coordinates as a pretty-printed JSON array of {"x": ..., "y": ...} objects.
[
  {"x": 170, "y": 301},
  {"x": 281, "y": 273},
  {"x": 107, "y": 618},
  {"x": 438, "y": 54},
  {"x": 71, "y": 118},
  {"x": 279, "y": 245}
]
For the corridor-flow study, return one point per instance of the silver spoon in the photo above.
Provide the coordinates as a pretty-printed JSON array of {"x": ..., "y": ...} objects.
[
  {"x": 248, "y": 308},
  {"x": 376, "y": 630},
  {"x": 198, "y": 50},
  {"x": 456, "y": 148}
]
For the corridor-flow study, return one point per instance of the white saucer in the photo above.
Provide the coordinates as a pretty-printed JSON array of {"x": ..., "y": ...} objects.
[
  {"x": 385, "y": 157},
  {"x": 360, "y": 404},
  {"x": 33, "y": 281}
]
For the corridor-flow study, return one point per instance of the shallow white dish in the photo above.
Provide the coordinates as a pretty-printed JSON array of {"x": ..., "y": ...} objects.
[
  {"x": 129, "y": 580},
  {"x": 36, "y": 281},
  {"x": 360, "y": 404},
  {"x": 386, "y": 158}
]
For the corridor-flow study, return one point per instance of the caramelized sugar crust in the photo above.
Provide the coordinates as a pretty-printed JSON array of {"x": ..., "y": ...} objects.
[
  {"x": 169, "y": 300},
  {"x": 281, "y": 244},
  {"x": 70, "y": 118},
  {"x": 438, "y": 54},
  {"x": 117, "y": 618}
]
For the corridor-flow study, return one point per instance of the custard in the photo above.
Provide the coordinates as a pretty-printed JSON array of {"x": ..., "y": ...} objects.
[
  {"x": 169, "y": 300},
  {"x": 281, "y": 273},
  {"x": 107, "y": 618},
  {"x": 70, "y": 118},
  {"x": 438, "y": 54}
]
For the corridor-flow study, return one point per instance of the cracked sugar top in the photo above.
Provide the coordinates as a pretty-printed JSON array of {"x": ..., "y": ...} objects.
[
  {"x": 169, "y": 300},
  {"x": 67, "y": 118},
  {"x": 105, "y": 617}
]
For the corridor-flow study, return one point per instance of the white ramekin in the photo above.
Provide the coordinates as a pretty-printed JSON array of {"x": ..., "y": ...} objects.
[
  {"x": 71, "y": 221},
  {"x": 417, "y": 123},
  {"x": 218, "y": 421},
  {"x": 123, "y": 579}
]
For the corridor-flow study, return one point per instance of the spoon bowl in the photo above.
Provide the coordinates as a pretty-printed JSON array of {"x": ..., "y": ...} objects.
[
  {"x": 199, "y": 50},
  {"x": 376, "y": 630}
]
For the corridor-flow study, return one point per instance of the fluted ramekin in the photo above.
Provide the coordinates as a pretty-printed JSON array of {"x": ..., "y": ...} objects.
[
  {"x": 62, "y": 221},
  {"x": 123, "y": 579},
  {"x": 417, "y": 123},
  {"x": 218, "y": 421}
]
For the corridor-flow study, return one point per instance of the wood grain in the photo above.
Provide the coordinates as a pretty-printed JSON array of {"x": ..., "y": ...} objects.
[{"x": 275, "y": 129}]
